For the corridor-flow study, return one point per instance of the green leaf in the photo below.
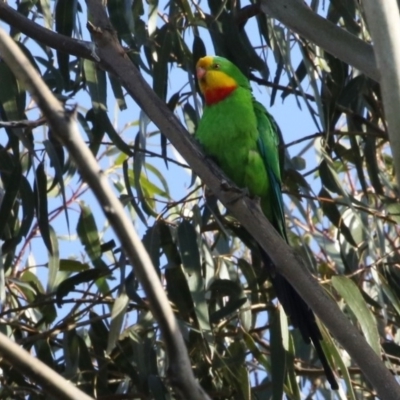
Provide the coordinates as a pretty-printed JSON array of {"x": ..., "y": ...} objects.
[
  {"x": 2, "y": 282},
  {"x": 97, "y": 84},
  {"x": 143, "y": 349},
  {"x": 188, "y": 248},
  {"x": 67, "y": 286},
  {"x": 12, "y": 97},
  {"x": 118, "y": 92},
  {"x": 46, "y": 12},
  {"x": 54, "y": 261},
  {"x": 57, "y": 158},
  {"x": 12, "y": 101},
  {"x": 85, "y": 360},
  {"x": 256, "y": 352},
  {"x": 24, "y": 7},
  {"x": 117, "y": 318},
  {"x": 122, "y": 21},
  {"x": 131, "y": 288},
  {"x": 353, "y": 155},
  {"x": 390, "y": 293},
  {"x": 278, "y": 356},
  {"x": 41, "y": 206},
  {"x": 152, "y": 242},
  {"x": 11, "y": 176},
  {"x": 329, "y": 178},
  {"x": 221, "y": 288},
  {"x": 33, "y": 284},
  {"x": 346, "y": 10},
  {"x": 157, "y": 387},
  {"x": 190, "y": 256},
  {"x": 178, "y": 291},
  {"x": 190, "y": 116},
  {"x": 198, "y": 49},
  {"x": 152, "y": 17},
  {"x": 138, "y": 178},
  {"x": 393, "y": 210},
  {"x": 131, "y": 196},
  {"x": 165, "y": 39},
  {"x": 65, "y": 13},
  {"x": 235, "y": 370},
  {"x": 392, "y": 349},
  {"x": 73, "y": 266},
  {"x": 52, "y": 76},
  {"x": 372, "y": 165},
  {"x": 112, "y": 133},
  {"x": 28, "y": 206},
  {"x": 161, "y": 178},
  {"x": 56, "y": 163},
  {"x": 44, "y": 353},
  {"x": 150, "y": 190},
  {"x": 231, "y": 306},
  {"x": 243, "y": 382},
  {"x": 89, "y": 236},
  {"x": 334, "y": 215},
  {"x": 353, "y": 298},
  {"x": 98, "y": 333}
]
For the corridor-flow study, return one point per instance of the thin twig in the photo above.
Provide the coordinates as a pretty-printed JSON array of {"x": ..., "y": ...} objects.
[{"x": 24, "y": 123}]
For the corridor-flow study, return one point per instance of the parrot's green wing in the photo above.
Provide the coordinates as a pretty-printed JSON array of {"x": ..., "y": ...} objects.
[
  {"x": 268, "y": 146},
  {"x": 293, "y": 304}
]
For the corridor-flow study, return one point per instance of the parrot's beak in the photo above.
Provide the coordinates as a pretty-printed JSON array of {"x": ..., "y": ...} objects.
[{"x": 200, "y": 72}]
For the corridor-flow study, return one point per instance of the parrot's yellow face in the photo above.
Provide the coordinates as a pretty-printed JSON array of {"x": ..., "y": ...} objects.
[{"x": 214, "y": 83}]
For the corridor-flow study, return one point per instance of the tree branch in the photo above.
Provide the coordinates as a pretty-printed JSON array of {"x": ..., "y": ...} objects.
[
  {"x": 384, "y": 23},
  {"x": 114, "y": 60},
  {"x": 23, "y": 123},
  {"x": 51, "y": 382},
  {"x": 297, "y": 16}
]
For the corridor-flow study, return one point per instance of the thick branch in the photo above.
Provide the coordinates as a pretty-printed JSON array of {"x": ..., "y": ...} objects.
[
  {"x": 114, "y": 60},
  {"x": 297, "y": 16},
  {"x": 64, "y": 127},
  {"x": 384, "y": 23},
  {"x": 52, "y": 383}
]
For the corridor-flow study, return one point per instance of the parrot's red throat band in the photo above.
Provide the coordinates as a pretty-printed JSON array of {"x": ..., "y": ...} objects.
[{"x": 216, "y": 95}]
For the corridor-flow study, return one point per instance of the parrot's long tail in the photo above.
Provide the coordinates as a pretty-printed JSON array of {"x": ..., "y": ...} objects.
[{"x": 300, "y": 314}]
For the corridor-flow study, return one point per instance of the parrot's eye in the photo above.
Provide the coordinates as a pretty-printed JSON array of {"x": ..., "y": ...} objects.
[{"x": 216, "y": 66}]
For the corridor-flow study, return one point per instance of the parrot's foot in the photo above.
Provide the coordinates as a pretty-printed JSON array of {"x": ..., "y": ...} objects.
[
  {"x": 240, "y": 193},
  {"x": 227, "y": 187}
]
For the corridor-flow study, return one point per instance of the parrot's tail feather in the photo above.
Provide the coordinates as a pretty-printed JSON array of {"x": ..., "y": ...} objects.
[
  {"x": 327, "y": 368},
  {"x": 300, "y": 314}
]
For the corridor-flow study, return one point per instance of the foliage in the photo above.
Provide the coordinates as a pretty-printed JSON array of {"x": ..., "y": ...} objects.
[{"x": 68, "y": 295}]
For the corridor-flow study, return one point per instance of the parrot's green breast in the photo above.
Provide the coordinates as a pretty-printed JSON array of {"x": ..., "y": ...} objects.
[{"x": 228, "y": 132}]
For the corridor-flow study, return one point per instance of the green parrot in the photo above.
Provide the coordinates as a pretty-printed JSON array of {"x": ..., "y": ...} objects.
[{"x": 238, "y": 132}]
